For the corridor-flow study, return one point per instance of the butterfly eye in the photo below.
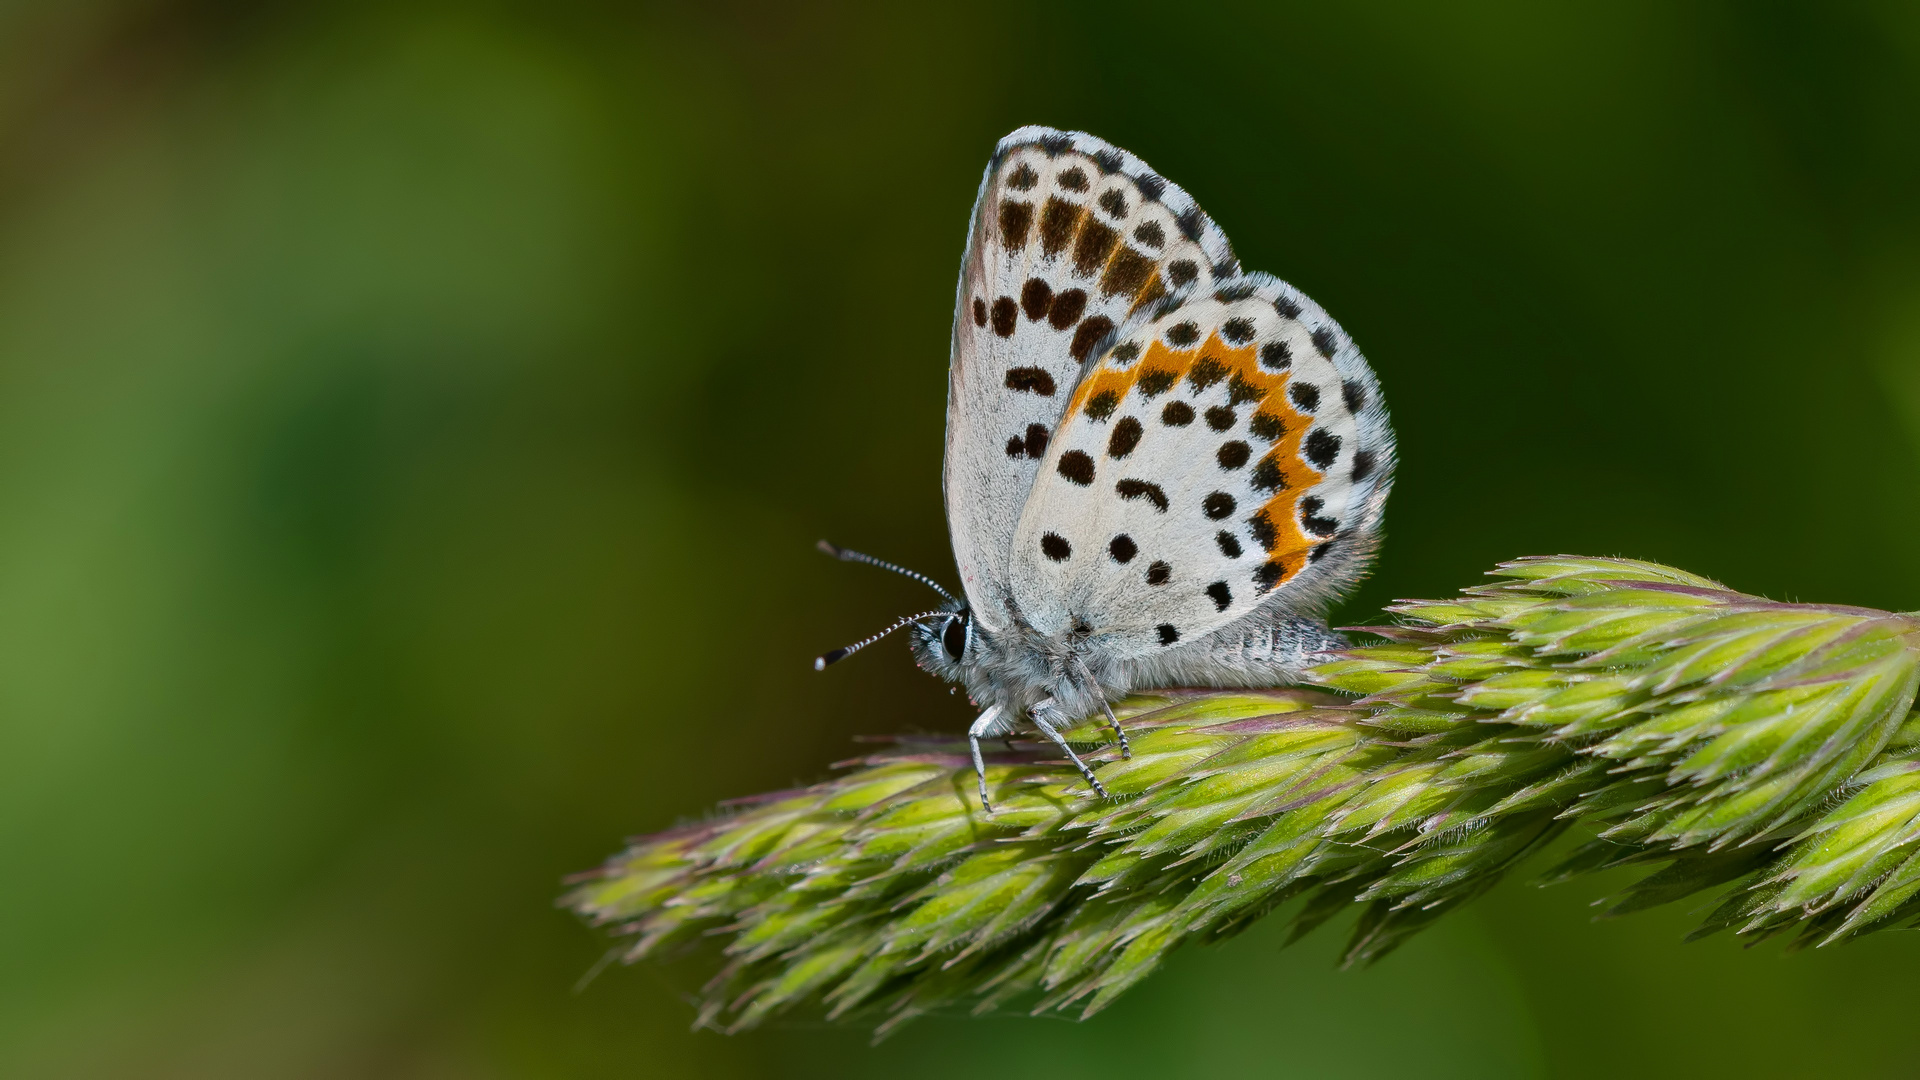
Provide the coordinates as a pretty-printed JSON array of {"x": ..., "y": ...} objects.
[{"x": 954, "y": 637}]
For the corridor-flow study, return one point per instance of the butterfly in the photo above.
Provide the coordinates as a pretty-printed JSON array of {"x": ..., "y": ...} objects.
[{"x": 1161, "y": 469}]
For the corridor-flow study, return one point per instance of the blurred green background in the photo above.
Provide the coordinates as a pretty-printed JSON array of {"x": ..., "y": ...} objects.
[{"x": 415, "y": 419}]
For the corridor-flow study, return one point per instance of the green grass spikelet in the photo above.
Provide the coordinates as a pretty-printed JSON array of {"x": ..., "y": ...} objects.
[{"x": 1723, "y": 741}]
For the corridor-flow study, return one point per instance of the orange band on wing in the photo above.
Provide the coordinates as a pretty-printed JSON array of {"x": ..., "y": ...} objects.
[{"x": 1281, "y": 463}]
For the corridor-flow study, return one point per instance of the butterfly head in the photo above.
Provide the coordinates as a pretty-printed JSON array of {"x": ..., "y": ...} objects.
[
  {"x": 947, "y": 646},
  {"x": 944, "y": 640}
]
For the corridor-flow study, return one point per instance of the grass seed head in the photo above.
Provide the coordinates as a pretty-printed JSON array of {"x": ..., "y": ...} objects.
[{"x": 1726, "y": 741}]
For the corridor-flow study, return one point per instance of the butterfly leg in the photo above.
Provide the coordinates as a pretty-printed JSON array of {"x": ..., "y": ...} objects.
[
  {"x": 1126, "y": 748},
  {"x": 1044, "y": 716},
  {"x": 982, "y": 728}
]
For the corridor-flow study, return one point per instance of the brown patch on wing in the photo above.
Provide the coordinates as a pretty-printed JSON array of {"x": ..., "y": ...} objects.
[
  {"x": 1058, "y": 222},
  {"x": 1015, "y": 219},
  {"x": 1154, "y": 291},
  {"x": 1096, "y": 249},
  {"x": 1127, "y": 272}
]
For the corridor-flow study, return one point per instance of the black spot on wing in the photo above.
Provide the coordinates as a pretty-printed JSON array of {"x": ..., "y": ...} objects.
[
  {"x": 1074, "y": 179},
  {"x": 1217, "y": 505},
  {"x": 1076, "y": 466},
  {"x": 1150, "y": 234},
  {"x": 1363, "y": 463},
  {"x": 979, "y": 312},
  {"x": 1055, "y": 547},
  {"x": 1089, "y": 335},
  {"x": 1031, "y": 380},
  {"x": 1267, "y": 475},
  {"x": 1229, "y": 544},
  {"x": 1268, "y": 575},
  {"x": 1123, "y": 549},
  {"x": 1287, "y": 307},
  {"x": 1267, "y": 426},
  {"x": 1023, "y": 178},
  {"x": 1005, "y": 316},
  {"x": 1182, "y": 272},
  {"x": 1101, "y": 405},
  {"x": 1321, "y": 447},
  {"x": 1183, "y": 334},
  {"x": 1156, "y": 382},
  {"x": 1220, "y": 418},
  {"x": 1311, "y": 520},
  {"x": 1306, "y": 396},
  {"x": 1159, "y": 573},
  {"x": 1126, "y": 436},
  {"x": 1141, "y": 489},
  {"x": 1221, "y": 595},
  {"x": 1125, "y": 353},
  {"x": 1191, "y": 221},
  {"x": 1232, "y": 455},
  {"x": 1151, "y": 186},
  {"x": 1177, "y": 414},
  {"x": 1033, "y": 445},
  {"x": 1240, "y": 391},
  {"x": 1264, "y": 533},
  {"x": 1036, "y": 297},
  {"x": 1354, "y": 395},
  {"x": 1055, "y": 144},
  {"x": 1109, "y": 161},
  {"x": 1168, "y": 633},
  {"x": 1067, "y": 309},
  {"x": 1205, "y": 373},
  {"x": 1275, "y": 356},
  {"x": 1237, "y": 331},
  {"x": 1324, "y": 341},
  {"x": 1114, "y": 203}
]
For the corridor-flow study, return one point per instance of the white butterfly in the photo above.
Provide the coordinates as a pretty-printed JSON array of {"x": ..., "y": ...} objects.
[{"x": 1160, "y": 470}]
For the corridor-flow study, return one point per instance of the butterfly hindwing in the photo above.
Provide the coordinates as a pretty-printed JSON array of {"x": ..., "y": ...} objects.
[
  {"x": 1230, "y": 451},
  {"x": 1072, "y": 241}
]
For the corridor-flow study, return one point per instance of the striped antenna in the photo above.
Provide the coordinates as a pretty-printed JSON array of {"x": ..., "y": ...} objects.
[
  {"x": 849, "y": 555},
  {"x": 820, "y": 662}
]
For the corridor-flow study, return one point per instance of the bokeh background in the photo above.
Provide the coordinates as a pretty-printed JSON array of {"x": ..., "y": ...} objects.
[{"x": 415, "y": 419}]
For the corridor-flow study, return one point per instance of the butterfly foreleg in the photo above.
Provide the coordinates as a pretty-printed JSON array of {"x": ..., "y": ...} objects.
[
  {"x": 1050, "y": 719},
  {"x": 983, "y": 727},
  {"x": 1126, "y": 748},
  {"x": 1120, "y": 733}
]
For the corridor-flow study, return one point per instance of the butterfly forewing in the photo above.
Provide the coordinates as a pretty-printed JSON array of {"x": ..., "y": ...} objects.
[
  {"x": 1073, "y": 241},
  {"x": 1229, "y": 450}
]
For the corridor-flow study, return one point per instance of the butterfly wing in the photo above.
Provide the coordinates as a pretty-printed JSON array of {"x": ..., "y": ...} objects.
[
  {"x": 1071, "y": 238},
  {"x": 1228, "y": 453}
]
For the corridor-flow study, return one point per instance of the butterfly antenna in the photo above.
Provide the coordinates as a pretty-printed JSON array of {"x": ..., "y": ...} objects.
[
  {"x": 849, "y": 555},
  {"x": 820, "y": 662}
]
